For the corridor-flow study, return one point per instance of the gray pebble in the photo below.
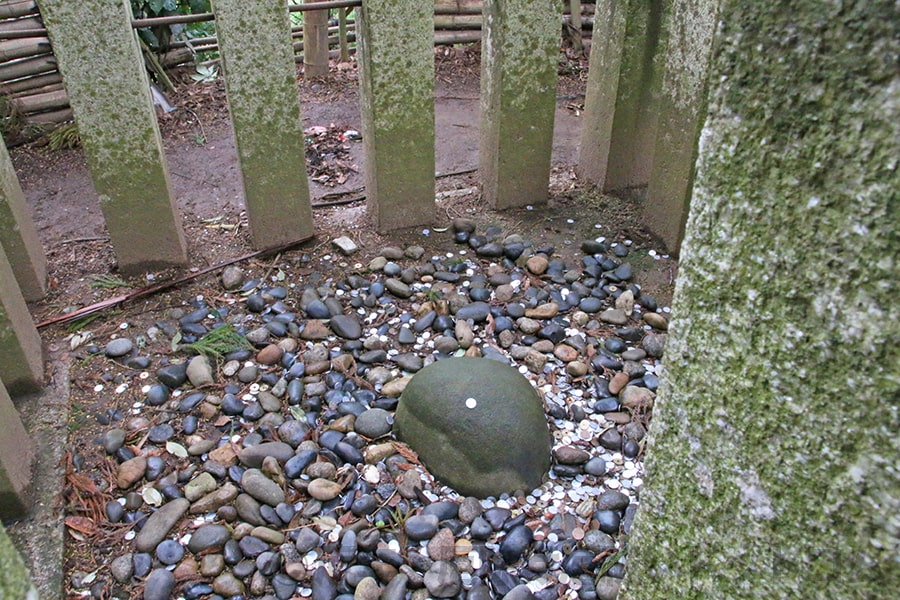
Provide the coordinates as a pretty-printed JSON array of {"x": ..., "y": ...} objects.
[{"x": 119, "y": 347}]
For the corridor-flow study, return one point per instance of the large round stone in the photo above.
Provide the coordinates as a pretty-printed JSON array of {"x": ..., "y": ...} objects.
[{"x": 477, "y": 424}]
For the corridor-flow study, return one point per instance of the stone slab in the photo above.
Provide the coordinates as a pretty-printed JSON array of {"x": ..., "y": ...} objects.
[
  {"x": 520, "y": 43},
  {"x": 260, "y": 79},
  {"x": 21, "y": 355},
  {"x": 18, "y": 234},
  {"x": 397, "y": 108},
  {"x": 16, "y": 460}
]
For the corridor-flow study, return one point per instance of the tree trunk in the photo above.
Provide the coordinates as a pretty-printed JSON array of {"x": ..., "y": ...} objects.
[{"x": 772, "y": 469}]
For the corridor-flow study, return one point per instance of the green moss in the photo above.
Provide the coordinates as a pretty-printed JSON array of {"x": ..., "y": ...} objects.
[
  {"x": 779, "y": 409},
  {"x": 15, "y": 582}
]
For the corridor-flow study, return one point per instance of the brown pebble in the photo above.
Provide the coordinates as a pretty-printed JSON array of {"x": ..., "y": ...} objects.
[
  {"x": 269, "y": 355},
  {"x": 565, "y": 353},
  {"x": 131, "y": 471},
  {"x": 537, "y": 264},
  {"x": 618, "y": 383},
  {"x": 442, "y": 545},
  {"x": 656, "y": 321}
]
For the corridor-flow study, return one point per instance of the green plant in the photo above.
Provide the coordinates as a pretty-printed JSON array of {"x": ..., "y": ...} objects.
[
  {"x": 64, "y": 136},
  {"x": 609, "y": 562},
  {"x": 205, "y": 73},
  {"x": 215, "y": 344},
  {"x": 107, "y": 282},
  {"x": 159, "y": 36}
]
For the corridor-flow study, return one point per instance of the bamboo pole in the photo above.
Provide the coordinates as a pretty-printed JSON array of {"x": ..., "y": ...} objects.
[
  {"x": 47, "y": 118},
  {"x": 21, "y": 24},
  {"x": 457, "y": 22},
  {"x": 9, "y": 34},
  {"x": 45, "y": 101},
  {"x": 448, "y": 38},
  {"x": 28, "y": 66},
  {"x": 13, "y": 49},
  {"x": 342, "y": 34},
  {"x": 13, "y": 9},
  {"x": 315, "y": 39},
  {"x": 29, "y": 83},
  {"x": 575, "y": 30}
]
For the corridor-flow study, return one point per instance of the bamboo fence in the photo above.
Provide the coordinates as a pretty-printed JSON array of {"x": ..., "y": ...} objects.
[{"x": 32, "y": 95}]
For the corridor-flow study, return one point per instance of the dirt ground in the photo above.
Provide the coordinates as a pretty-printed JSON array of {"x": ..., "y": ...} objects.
[{"x": 205, "y": 180}]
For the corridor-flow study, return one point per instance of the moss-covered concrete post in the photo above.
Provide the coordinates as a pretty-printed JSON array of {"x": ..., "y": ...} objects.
[
  {"x": 15, "y": 581},
  {"x": 107, "y": 86},
  {"x": 602, "y": 87},
  {"x": 773, "y": 461},
  {"x": 21, "y": 356},
  {"x": 627, "y": 148},
  {"x": 396, "y": 62},
  {"x": 18, "y": 235},
  {"x": 16, "y": 459},
  {"x": 261, "y": 81},
  {"x": 682, "y": 106},
  {"x": 520, "y": 54}
]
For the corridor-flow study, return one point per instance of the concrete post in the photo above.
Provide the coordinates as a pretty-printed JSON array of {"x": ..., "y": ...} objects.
[
  {"x": 107, "y": 87},
  {"x": 520, "y": 54},
  {"x": 396, "y": 62},
  {"x": 315, "y": 43},
  {"x": 18, "y": 235},
  {"x": 682, "y": 106},
  {"x": 628, "y": 153},
  {"x": 602, "y": 88},
  {"x": 16, "y": 458},
  {"x": 261, "y": 80},
  {"x": 21, "y": 356},
  {"x": 15, "y": 582},
  {"x": 772, "y": 468}
]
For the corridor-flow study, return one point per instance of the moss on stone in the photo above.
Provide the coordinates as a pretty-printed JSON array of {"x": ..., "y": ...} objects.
[
  {"x": 518, "y": 100},
  {"x": 110, "y": 96},
  {"x": 15, "y": 582},
  {"x": 477, "y": 424},
  {"x": 772, "y": 468},
  {"x": 397, "y": 110},
  {"x": 265, "y": 111}
]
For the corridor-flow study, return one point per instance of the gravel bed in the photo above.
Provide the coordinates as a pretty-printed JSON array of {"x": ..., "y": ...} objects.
[{"x": 271, "y": 471}]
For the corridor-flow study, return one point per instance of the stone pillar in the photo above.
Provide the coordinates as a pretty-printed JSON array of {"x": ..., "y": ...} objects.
[
  {"x": 261, "y": 80},
  {"x": 628, "y": 149},
  {"x": 602, "y": 87},
  {"x": 520, "y": 56},
  {"x": 395, "y": 46},
  {"x": 108, "y": 89},
  {"x": 21, "y": 357},
  {"x": 682, "y": 106},
  {"x": 15, "y": 581},
  {"x": 18, "y": 235},
  {"x": 772, "y": 468},
  {"x": 16, "y": 458},
  {"x": 315, "y": 42}
]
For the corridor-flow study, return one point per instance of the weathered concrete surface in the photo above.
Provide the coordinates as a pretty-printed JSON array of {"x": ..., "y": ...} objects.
[
  {"x": 108, "y": 90},
  {"x": 633, "y": 130},
  {"x": 18, "y": 234},
  {"x": 397, "y": 108},
  {"x": 14, "y": 579},
  {"x": 16, "y": 459},
  {"x": 260, "y": 79},
  {"x": 682, "y": 106},
  {"x": 39, "y": 537},
  {"x": 773, "y": 462},
  {"x": 520, "y": 53},
  {"x": 21, "y": 357},
  {"x": 602, "y": 87}
]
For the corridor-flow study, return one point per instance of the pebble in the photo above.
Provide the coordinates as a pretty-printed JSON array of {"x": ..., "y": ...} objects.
[
  {"x": 158, "y": 524},
  {"x": 119, "y": 347},
  {"x": 298, "y": 433},
  {"x": 159, "y": 585},
  {"x": 443, "y": 579}
]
